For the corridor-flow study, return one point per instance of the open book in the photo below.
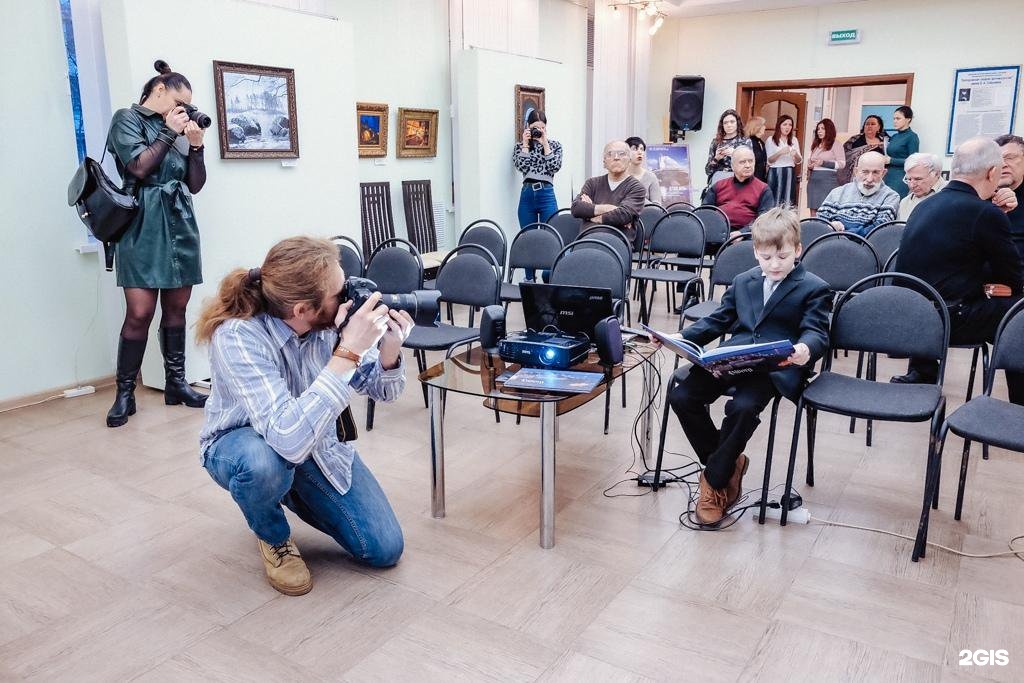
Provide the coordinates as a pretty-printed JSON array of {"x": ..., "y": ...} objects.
[{"x": 729, "y": 360}]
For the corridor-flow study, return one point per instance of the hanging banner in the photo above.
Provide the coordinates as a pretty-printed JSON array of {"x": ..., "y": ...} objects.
[
  {"x": 671, "y": 165},
  {"x": 984, "y": 101}
]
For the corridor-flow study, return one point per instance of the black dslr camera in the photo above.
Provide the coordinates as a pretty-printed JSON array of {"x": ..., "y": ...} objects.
[
  {"x": 200, "y": 119},
  {"x": 421, "y": 304},
  {"x": 536, "y": 133}
]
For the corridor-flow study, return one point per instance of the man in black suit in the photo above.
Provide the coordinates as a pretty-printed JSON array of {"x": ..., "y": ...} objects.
[
  {"x": 776, "y": 300},
  {"x": 959, "y": 241}
]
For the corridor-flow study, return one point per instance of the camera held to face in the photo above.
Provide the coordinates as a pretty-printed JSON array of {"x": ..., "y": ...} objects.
[
  {"x": 421, "y": 304},
  {"x": 197, "y": 117},
  {"x": 536, "y": 133}
]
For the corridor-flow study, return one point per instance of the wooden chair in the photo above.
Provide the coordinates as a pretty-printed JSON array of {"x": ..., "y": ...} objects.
[
  {"x": 419, "y": 215},
  {"x": 377, "y": 218}
]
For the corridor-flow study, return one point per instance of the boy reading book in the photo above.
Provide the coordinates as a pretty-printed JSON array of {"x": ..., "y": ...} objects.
[{"x": 776, "y": 300}]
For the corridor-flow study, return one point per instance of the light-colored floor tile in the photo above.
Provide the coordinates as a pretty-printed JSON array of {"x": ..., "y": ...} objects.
[
  {"x": 986, "y": 624},
  {"x": 573, "y": 666},
  {"x": 998, "y": 578}
]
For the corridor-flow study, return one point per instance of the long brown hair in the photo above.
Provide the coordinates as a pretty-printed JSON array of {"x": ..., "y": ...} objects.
[
  {"x": 777, "y": 135},
  {"x": 720, "y": 133},
  {"x": 830, "y": 135},
  {"x": 295, "y": 270}
]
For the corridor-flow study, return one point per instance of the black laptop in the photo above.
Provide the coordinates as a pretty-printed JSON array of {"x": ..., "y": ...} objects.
[{"x": 566, "y": 308}]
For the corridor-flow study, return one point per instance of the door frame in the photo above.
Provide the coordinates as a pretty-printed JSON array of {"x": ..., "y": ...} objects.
[{"x": 745, "y": 89}]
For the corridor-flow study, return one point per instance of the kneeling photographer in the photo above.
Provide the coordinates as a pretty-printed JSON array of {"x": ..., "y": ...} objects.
[{"x": 282, "y": 374}]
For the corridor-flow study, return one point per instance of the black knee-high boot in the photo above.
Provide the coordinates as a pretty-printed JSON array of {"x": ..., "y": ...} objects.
[
  {"x": 129, "y": 360},
  {"x": 176, "y": 389}
]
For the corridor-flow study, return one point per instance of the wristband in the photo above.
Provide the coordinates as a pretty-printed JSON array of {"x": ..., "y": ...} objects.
[{"x": 342, "y": 352}]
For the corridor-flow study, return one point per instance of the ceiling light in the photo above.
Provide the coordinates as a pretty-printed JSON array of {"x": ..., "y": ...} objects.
[
  {"x": 651, "y": 9},
  {"x": 615, "y": 12},
  {"x": 659, "y": 21}
]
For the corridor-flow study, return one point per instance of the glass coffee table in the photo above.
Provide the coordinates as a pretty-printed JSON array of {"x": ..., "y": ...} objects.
[{"x": 474, "y": 373}]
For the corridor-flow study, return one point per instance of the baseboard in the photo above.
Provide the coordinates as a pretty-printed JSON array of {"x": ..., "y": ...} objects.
[{"x": 29, "y": 399}]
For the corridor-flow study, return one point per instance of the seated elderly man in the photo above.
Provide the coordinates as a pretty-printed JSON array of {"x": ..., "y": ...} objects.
[
  {"x": 614, "y": 198},
  {"x": 864, "y": 203},
  {"x": 1012, "y": 178},
  {"x": 923, "y": 177},
  {"x": 742, "y": 197}
]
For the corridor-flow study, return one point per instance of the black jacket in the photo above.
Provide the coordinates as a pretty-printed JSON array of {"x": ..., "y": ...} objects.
[
  {"x": 760, "y": 159},
  {"x": 956, "y": 242},
  {"x": 798, "y": 310}
]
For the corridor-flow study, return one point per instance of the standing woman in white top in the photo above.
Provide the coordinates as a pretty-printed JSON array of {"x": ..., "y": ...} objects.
[
  {"x": 638, "y": 169},
  {"x": 783, "y": 151}
]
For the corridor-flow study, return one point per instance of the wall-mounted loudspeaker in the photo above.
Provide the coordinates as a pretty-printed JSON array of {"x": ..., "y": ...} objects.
[{"x": 686, "y": 105}]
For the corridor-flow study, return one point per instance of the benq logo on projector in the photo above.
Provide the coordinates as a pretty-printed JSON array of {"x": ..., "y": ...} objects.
[{"x": 984, "y": 657}]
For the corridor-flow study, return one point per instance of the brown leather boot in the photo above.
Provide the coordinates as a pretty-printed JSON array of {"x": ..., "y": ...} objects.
[
  {"x": 711, "y": 503},
  {"x": 734, "y": 489},
  {"x": 286, "y": 571}
]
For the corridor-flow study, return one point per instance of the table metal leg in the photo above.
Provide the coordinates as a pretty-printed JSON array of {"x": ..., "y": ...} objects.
[
  {"x": 435, "y": 403},
  {"x": 646, "y": 423},
  {"x": 547, "y": 473}
]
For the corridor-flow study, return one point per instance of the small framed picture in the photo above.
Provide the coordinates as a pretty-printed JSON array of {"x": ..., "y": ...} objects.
[
  {"x": 256, "y": 111},
  {"x": 417, "y": 132},
  {"x": 372, "y": 129},
  {"x": 528, "y": 99}
]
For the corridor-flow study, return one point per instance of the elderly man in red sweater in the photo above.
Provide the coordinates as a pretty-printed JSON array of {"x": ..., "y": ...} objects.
[{"x": 742, "y": 197}]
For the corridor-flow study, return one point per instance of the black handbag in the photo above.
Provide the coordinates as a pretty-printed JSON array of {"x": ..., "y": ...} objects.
[{"x": 106, "y": 209}]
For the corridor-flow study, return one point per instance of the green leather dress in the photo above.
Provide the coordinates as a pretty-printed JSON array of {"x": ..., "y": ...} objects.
[{"x": 160, "y": 250}]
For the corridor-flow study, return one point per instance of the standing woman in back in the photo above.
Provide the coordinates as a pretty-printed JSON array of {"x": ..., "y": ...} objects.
[
  {"x": 783, "y": 155},
  {"x": 872, "y": 138},
  {"x": 728, "y": 137},
  {"x": 754, "y": 131},
  {"x": 159, "y": 153},
  {"x": 825, "y": 160},
  {"x": 901, "y": 145}
]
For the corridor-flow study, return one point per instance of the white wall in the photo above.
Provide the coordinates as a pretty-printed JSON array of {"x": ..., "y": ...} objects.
[{"x": 930, "y": 38}]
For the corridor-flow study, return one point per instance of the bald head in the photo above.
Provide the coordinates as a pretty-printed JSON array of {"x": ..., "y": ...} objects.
[
  {"x": 871, "y": 160},
  {"x": 869, "y": 172},
  {"x": 742, "y": 163},
  {"x": 978, "y": 162}
]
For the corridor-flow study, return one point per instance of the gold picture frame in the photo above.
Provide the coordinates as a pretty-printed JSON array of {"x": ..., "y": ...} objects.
[
  {"x": 528, "y": 98},
  {"x": 372, "y": 129},
  {"x": 417, "y": 132}
]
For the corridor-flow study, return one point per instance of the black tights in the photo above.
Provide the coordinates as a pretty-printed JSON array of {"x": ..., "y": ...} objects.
[{"x": 141, "y": 306}]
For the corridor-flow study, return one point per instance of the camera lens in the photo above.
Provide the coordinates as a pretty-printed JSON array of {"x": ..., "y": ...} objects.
[
  {"x": 200, "y": 119},
  {"x": 421, "y": 304}
]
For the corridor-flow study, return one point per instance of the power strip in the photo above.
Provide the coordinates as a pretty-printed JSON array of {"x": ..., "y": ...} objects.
[
  {"x": 79, "y": 391},
  {"x": 800, "y": 515}
]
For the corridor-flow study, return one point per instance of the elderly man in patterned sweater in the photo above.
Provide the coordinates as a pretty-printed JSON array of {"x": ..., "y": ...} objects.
[{"x": 864, "y": 203}]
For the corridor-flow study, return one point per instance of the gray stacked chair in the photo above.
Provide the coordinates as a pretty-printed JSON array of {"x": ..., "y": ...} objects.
[
  {"x": 885, "y": 239},
  {"x": 679, "y": 205},
  {"x": 986, "y": 419},
  {"x": 734, "y": 257},
  {"x": 565, "y": 224},
  {"x": 888, "y": 313},
  {"x": 487, "y": 234},
  {"x": 813, "y": 228},
  {"x": 350, "y": 255},
  {"x": 680, "y": 233},
  {"x": 716, "y": 225},
  {"x": 534, "y": 247},
  {"x": 618, "y": 241},
  {"x": 689, "y": 262}
]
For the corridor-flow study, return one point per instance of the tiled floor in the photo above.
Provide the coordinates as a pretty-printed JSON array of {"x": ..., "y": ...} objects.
[{"x": 124, "y": 560}]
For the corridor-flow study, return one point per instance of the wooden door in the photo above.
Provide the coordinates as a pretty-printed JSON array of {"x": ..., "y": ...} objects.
[{"x": 771, "y": 104}]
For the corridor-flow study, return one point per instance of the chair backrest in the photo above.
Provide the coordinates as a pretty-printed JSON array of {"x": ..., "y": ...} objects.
[
  {"x": 614, "y": 238},
  {"x": 840, "y": 259},
  {"x": 566, "y": 225},
  {"x": 375, "y": 213},
  {"x": 679, "y": 205},
  {"x": 419, "y": 214},
  {"x": 489, "y": 235},
  {"x": 734, "y": 257},
  {"x": 677, "y": 232},
  {"x": 716, "y": 223},
  {"x": 395, "y": 265},
  {"x": 1008, "y": 352},
  {"x": 891, "y": 313},
  {"x": 350, "y": 255},
  {"x": 534, "y": 247},
  {"x": 469, "y": 275},
  {"x": 890, "y": 263},
  {"x": 813, "y": 228},
  {"x": 650, "y": 214},
  {"x": 590, "y": 263},
  {"x": 885, "y": 239}
]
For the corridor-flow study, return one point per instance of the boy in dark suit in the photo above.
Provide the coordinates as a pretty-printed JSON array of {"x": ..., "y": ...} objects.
[{"x": 776, "y": 300}]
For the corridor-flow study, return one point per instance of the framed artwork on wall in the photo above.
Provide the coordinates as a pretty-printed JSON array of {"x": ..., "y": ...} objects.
[
  {"x": 372, "y": 129},
  {"x": 528, "y": 98},
  {"x": 417, "y": 132},
  {"x": 256, "y": 111}
]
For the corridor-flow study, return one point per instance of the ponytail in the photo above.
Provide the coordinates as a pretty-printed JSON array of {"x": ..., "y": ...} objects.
[
  {"x": 237, "y": 297},
  {"x": 169, "y": 78}
]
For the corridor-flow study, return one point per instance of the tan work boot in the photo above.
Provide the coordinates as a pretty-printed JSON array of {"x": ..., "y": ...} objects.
[
  {"x": 711, "y": 503},
  {"x": 734, "y": 489},
  {"x": 286, "y": 571}
]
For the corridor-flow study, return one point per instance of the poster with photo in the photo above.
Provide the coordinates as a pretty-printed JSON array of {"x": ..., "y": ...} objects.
[
  {"x": 984, "y": 101},
  {"x": 671, "y": 165}
]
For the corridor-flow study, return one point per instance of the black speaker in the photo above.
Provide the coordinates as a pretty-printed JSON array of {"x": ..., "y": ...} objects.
[
  {"x": 492, "y": 327},
  {"x": 686, "y": 105},
  {"x": 608, "y": 337}
]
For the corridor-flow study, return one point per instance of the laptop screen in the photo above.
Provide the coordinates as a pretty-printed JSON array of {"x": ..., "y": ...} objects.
[{"x": 568, "y": 308}]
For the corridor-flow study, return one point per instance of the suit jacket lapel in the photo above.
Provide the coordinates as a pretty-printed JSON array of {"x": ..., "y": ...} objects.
[
  {"x": 755, "y": 288},
  {"x": 784, "y": 288}
]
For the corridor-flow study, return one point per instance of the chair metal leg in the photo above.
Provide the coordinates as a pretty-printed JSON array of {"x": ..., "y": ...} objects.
[
  {"x": 607, "y": 403},
  {"x": 872, "y": 375},
  {"x": 623, "y": 380},
  {"x": 421, "y": 363},
  {"x": 768, "y": 460},
  {"x": 661, "y": 438},
  {"x": 970, "y": 377},
  {"x": 933, "y": 467},
  {"x": 812, "y": 433},
  {"x": 860, "y": 370},
  {"x": 984, "y": 371},
  {"x": 792, "y": 462},
  {"x": 963, "y": 475}
]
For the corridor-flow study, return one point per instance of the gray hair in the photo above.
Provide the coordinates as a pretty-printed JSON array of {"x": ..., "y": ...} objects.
[
  {"x": 976, "y": 157},
  {"x": 932, "y": 161}
]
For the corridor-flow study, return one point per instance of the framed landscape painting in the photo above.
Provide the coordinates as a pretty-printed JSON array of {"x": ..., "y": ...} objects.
[
  {"x": 372, "y": 129},
  {"x": 255, "y": 111},
  {"x": 417, "y": 132},
  {"x": 528, "y": 98}
]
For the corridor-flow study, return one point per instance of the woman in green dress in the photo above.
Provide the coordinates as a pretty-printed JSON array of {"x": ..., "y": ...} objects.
[
  {"x": 901, "y": 145},
  {"x": 159, "y": 153}
]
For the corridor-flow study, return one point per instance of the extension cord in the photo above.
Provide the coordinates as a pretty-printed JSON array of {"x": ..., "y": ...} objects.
[
  {"x": 799, "y": 515},
  {"x": 79, "y": 391}
]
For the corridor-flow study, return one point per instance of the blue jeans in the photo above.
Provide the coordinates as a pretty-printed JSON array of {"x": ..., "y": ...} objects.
[
  {"x": 536, "y": 206},
  {"x": 259, "y": 480}
]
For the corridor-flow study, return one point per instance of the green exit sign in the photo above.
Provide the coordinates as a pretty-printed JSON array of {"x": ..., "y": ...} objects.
[{"x": 846, "y": 36}]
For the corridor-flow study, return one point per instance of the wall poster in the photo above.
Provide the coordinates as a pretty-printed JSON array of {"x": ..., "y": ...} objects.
[
  {"x": 984, "y": 102},
  {"x": 671, "y": 165}
]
